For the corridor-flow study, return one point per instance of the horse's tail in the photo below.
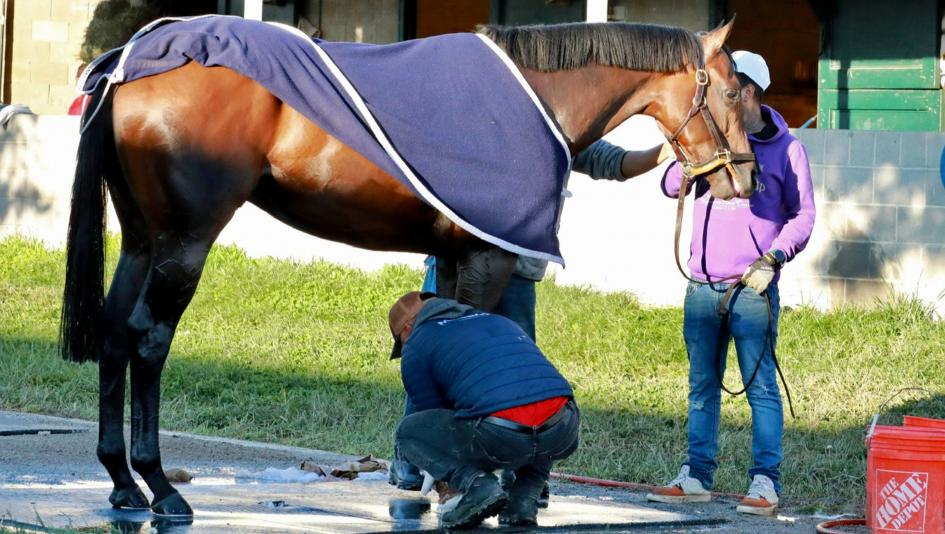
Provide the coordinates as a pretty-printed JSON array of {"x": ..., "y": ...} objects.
[{"x": 83, "y": 296}]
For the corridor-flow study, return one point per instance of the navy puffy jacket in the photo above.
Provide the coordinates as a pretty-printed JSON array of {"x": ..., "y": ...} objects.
[{"x": 475, "y": 363}]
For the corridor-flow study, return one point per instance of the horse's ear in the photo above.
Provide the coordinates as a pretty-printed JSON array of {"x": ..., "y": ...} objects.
[{"x": 712, "y": 41}]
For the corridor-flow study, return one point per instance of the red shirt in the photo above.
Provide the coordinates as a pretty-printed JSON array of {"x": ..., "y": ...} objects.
[{"x": 535, "y": 413}]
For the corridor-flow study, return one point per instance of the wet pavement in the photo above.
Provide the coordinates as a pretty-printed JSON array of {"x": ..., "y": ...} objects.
[{"x": 50, "y": 478}]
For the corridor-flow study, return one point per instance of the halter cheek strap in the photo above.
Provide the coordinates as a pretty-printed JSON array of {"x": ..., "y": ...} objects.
[{"x": 723, "y": 157}]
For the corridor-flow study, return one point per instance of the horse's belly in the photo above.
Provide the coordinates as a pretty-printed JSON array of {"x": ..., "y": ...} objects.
[{"x": 373, "y": 218}]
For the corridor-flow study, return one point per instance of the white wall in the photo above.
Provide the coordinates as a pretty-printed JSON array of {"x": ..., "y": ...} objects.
[{"x": 619, "y": 235}]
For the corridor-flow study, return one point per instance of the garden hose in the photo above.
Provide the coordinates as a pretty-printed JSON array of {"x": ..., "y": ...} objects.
[{"x": 827, "y": 526}]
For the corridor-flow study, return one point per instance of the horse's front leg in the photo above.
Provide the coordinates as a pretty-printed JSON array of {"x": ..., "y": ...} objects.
[{"x": 480, "y": 276}]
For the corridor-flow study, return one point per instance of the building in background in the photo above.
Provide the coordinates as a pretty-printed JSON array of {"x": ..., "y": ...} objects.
[
  {"x": 880, "y": 65},
  {"x": 851, "y": 64}
]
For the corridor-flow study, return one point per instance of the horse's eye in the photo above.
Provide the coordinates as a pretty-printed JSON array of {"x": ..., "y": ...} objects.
[{"x": 731, "y": 94}]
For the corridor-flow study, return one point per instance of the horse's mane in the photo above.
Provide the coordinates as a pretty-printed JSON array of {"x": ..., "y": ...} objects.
[{"x": 647, "y": 47}]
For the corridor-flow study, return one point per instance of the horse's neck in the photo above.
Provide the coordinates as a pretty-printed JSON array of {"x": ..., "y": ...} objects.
[{"x": 590, "y": 101}]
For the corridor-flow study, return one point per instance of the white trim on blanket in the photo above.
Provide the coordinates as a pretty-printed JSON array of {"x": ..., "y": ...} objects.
[{"x": 427, "y": 195}]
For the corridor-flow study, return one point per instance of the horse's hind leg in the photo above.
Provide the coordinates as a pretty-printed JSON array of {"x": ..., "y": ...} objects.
[
  {"x": 203, "y": 196},
  {"x": 177, "y": 263},
  {"x": 117, "y": 346},
  {"x": 116, "y": 343}
]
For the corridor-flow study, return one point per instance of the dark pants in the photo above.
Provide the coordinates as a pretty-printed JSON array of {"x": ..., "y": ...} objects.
[
  {"x": 517, "y": 301},
  {"x": 459, "y": 450}
]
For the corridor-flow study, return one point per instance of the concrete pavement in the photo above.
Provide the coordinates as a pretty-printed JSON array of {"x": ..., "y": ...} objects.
[{"x": 50, "y": 477}]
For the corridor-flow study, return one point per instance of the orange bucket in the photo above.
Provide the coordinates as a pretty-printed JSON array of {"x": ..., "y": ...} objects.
[
  {"x": 923, "y": 422},
  {"x": 905, "y": 480}
]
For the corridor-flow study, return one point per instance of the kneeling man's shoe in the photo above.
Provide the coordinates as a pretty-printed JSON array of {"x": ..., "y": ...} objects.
[
  {"x": 520, "y": 514},
  {"x": 404, "y": 475},
  {"x": 484, "y": 498},
  {"x": 762, "y": 499},
  {"x": 545, "y": 496},
  {"x": 683, "y": 488}
]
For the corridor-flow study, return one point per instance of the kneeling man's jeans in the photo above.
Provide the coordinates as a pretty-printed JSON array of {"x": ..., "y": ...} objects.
[
  {"x": 459, "y": 450},
  {"x": 748, "y": 326}
]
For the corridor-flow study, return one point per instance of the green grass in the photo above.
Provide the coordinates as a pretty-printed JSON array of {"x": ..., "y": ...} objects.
[{"x": 295, "y": 353}]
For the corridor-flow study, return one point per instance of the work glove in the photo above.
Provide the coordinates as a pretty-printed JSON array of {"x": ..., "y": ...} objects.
[{"x": 759, "y": 274}]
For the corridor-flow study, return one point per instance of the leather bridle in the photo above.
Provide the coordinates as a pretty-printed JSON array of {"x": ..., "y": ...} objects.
[{"x": 724, "y": 157}]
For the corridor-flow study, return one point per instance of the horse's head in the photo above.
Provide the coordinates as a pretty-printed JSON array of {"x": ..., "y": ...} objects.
[{"x": 700, "y": 113}]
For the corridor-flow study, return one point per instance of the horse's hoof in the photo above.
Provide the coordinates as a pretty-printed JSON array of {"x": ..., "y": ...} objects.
[
  {"x": 172, "y": 506},
  {"x": 131, "y": 498}
]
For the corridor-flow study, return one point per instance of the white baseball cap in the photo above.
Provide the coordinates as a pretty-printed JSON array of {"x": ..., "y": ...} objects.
[{"x": 753, "y": 66}]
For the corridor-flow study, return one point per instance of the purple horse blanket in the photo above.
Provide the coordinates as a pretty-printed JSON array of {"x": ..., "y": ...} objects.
[{"x": 450, "y": 116}]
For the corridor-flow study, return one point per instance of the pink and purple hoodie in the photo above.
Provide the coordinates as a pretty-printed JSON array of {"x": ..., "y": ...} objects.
[{"x": 728, "y": 235}]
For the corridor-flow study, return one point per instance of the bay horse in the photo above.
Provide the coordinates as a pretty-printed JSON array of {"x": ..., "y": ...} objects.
[{"x": 180, "y": 151}]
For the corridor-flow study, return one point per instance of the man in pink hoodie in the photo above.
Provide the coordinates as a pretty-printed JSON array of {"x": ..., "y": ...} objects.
[{"x": 746, "y": 241}]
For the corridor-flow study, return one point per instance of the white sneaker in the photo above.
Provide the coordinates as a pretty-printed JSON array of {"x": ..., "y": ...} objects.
[
  {"x": 683, "y": 488},
  {"x": 761, "y": 498}
]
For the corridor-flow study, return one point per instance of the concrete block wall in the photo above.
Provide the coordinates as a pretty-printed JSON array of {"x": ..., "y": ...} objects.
[
  {"x": 881, "y": 217},
  {"x": 47, "y": 35},
  {"x": 37, "y": 160}
]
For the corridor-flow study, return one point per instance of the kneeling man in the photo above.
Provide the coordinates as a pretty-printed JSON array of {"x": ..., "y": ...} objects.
[{"x": 486, "y": 399}]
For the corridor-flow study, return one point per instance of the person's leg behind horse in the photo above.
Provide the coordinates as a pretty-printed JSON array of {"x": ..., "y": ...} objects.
[
  {"x": 705, "y": 339},
  {"x": 753, "y": 342},
  {"x": 518, "y": 303},
  {"x": 481, "y": 276},
  {"x": 404, "y": 474},
  {"x": 442, "y": 276},
  {"x": 429, "y": 275},
  {"x": 516, "y": 299},
  {"x": 519, "y": 300}
]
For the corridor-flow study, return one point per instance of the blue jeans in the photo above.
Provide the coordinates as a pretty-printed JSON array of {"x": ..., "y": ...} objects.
[
  {"x": 518, "y": 303},
  {"x": 705, "y": 338}
]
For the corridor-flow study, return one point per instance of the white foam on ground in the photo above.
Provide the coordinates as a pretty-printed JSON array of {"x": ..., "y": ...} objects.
[{"x": 289, "y": 474}]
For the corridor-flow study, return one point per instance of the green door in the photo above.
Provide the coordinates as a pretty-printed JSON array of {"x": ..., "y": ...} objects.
[{"x": 879, "y": 69}]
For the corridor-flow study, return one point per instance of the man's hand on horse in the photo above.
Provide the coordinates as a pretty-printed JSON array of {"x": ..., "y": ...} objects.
[{"x": 761, "y": 272}]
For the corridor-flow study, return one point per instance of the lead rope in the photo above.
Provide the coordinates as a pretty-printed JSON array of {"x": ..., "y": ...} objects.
[
  {"x": 721, "y": 351},
  {"x": 722, "y": 344}
]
